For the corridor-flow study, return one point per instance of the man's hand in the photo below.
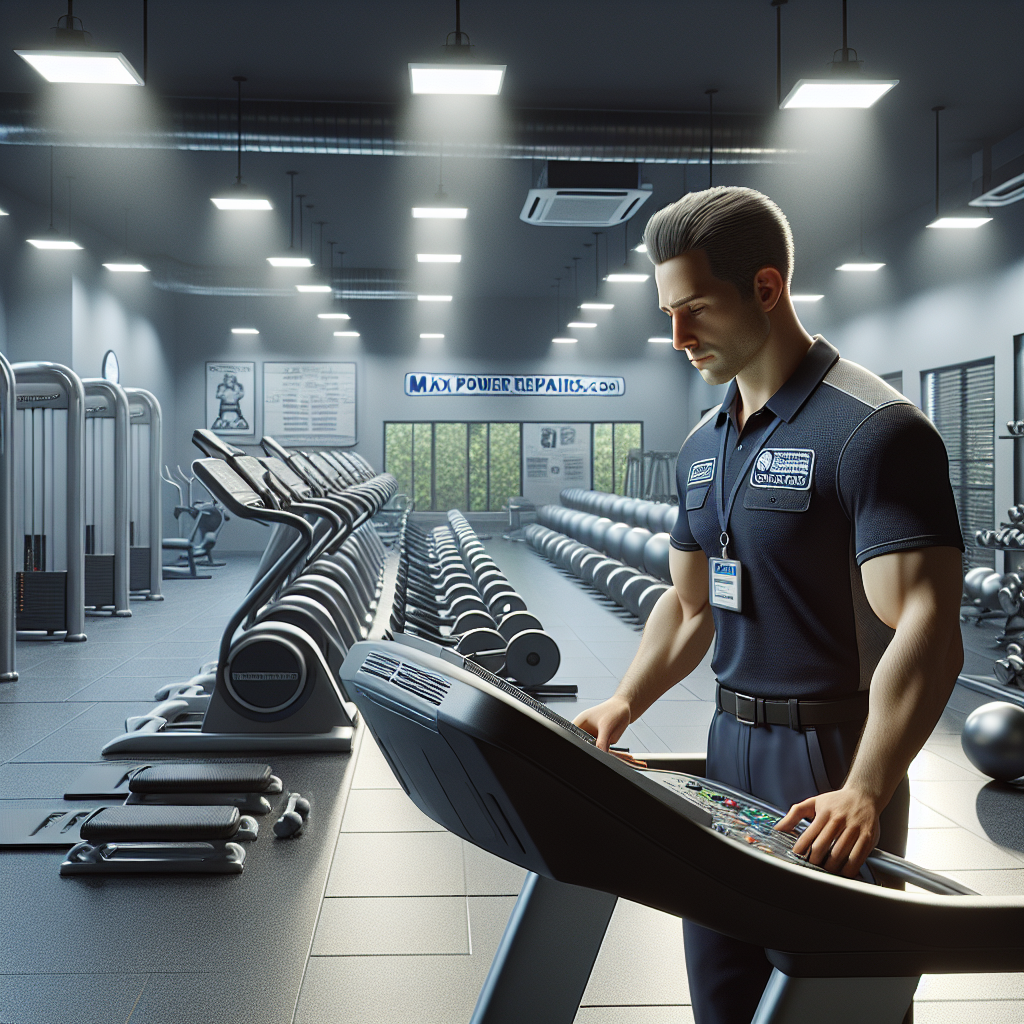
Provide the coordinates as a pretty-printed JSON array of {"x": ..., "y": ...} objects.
[
  {"x": 844, "y": 829},
  {"x": 606, "y": 721}
]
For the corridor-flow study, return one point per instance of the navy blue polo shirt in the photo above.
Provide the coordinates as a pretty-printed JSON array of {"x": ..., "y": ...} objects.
[{"x": 846, "y": 469}]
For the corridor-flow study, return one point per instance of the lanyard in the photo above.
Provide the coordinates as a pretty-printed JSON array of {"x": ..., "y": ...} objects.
[{"x": 725, "y": 510}]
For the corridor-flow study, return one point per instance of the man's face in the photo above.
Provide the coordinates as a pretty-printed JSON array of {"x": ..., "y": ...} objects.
[{"x": 717, "y": 328}]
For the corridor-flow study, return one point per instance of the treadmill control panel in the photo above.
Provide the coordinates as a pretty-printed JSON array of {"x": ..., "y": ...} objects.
[{"x": 734, "y": 814}]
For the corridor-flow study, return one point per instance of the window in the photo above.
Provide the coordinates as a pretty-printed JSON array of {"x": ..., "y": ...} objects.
[
  {"x": 960, "y": 401},
  {"x": 894, "y": 380},
  {"x": 477, "y": 467}
]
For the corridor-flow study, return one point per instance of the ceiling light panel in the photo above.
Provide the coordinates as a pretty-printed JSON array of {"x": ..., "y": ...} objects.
[
  {"x": 289, "y": 261},
  {"x": 806, "y": 298},
  {"x": 235, "y": 203},
  {"x": 627, "y": 278},
  {"x": 564, "y": 341},
  {"x": 433, "y": 298},
  {"x": 597, "y": 305},
  {"x": 346, "y": 334},
  {"x": 579, "y": 323},
  {"x": 333, "y": 316},
  {"x": 456, "y": 79},
  {"x": 439, "y": 212},
  {"x": 824, "y": 93},
  {"x": 314, "y": 289},
  {"x": 53, "y": 243},
  {"x": 127, "y": 268},
  {"x": 962, "y": 223},
  {"x": 860, "y": 268},
  {"x": 438, "y": 257},
  {"x": 431, "y": 335},
  {"x": 82, "y": 67},
  {"x": 244, "y": 330},
  {"x": 659, "y": 341}
]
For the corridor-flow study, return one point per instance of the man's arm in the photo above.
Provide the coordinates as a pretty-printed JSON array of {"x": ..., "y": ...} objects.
[
  {"x": 917, "y": 593},
  {"x": 676, "y": 638}
]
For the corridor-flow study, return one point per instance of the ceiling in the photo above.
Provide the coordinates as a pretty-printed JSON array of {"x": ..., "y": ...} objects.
[{"x": 641, "y": 55}]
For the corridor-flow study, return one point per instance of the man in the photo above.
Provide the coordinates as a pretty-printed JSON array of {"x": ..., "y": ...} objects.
[{"x": 818, "y": 500}]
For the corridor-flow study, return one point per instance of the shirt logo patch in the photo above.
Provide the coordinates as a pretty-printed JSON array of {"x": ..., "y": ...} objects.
[
  {"x": 701, "y": 472},
  {"x": 791, "y": 468}
]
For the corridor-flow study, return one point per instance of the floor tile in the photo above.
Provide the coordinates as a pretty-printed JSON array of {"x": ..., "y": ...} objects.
[
  {"x": 124, "y": 688},
  {"x": 682, "y": 741},
  {"x": 929, "y": 767},
  {"x": 635, "y": 1015},
  {"x": 392, "y": 926},
  {"x": 487, "y": 875},
  {"x": 384, "y": 810},
  {"x": 22, "y": 724},
  {"x": 922, "y": 816},
  {"x": 955, "y": 849},
  {"x": 372, "y": 769},
  {"x": 68, "y": 998},
  {"x": 970, "y": 986},
  {"x": 30, "y": 689},
  {"x": 69, "y": 745},
  {"x": 679, "y": 714},
  {"x": 993, "y": 882},
  {"x": 397, "y": 864},
  {"x": 989, "y": 1012},
  {"x": 986, "y": 809}
]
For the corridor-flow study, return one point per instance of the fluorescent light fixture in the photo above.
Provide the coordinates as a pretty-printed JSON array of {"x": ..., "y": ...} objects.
[
  {"x": 4, "y": 213},
  {"x": 244, "y": 330},
  {"x": 597, "y": 305},
  {"x": 289, "y": 261},
  {"x": 127, "y": 268},
  {"x": 456, "y": 79},
  {"x": 53, "y": 243},
  {"x": 860, "y": 268},
  {"x": 346, "y": 334},
  {"x": 438, "y": 257},
  {"x": 640, "y": 248},
  {"x": 579, "y": 323},
  {"x": 822, "y": 93},
  {"x": 333, "y": 316},
  {"x": 433, "y": 298},
  {"x": 431, "y": 335},
  {"x": 240, "y": 203},
  {"x": 806, "y": 298},
  {"x": 659, "y": 341},
  {"x": 564, "y": 341},
  {"x": 959, "y": 222},
  {"x": 82, "y": 67},
  {"x": 439, "y": 212},
  {"x": 627, "y": 278},
  {"x": 313, "y": 289}
]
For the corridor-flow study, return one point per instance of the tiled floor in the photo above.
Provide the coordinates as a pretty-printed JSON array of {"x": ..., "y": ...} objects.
[{"x": 412, "y": 915}]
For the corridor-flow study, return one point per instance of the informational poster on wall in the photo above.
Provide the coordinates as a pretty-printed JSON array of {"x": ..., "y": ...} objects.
[
  {"x": 310, "y": 403},
  {"x": 555, "y": 456},
  {"x": 231, "y": 398}
]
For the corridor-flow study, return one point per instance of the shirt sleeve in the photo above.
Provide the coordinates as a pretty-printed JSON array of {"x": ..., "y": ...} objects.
[
  {"x": 681, "y": 538},
  {"x": 893, "y": 480}
]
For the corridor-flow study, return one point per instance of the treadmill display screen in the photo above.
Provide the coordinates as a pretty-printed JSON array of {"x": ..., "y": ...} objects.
[{"x": 734, "y": 814}]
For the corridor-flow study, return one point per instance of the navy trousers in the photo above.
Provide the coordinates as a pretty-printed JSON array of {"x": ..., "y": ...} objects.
[{"x": 782, "y": 766}]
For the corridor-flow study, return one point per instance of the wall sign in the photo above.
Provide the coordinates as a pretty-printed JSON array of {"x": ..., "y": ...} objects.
[
  {"x": 310, "y": 403},
  {"x": 231, "y": 398},
  {"x": 476, "y": 384},
  {"x": 555, "y": 455}
]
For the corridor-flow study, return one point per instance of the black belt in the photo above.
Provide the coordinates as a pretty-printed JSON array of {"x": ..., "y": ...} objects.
[{"x": 797, "y": 714}]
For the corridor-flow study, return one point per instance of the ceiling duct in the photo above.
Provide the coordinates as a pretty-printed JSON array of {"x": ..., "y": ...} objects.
[
  {"x": 372, "y": 283},
  {"x": 343, "y": 128},
  {"x": 573, "y": 193},
  {"x": 997, "y": 172}
]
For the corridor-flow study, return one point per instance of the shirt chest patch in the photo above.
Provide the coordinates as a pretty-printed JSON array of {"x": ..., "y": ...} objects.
[
  {"x": 702, "y": 472},
  {"x": 788, "y": 468}
]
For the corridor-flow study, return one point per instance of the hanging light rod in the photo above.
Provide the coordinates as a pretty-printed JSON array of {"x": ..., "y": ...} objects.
[
  {"x": 949, "y": 223},
  {"x": 51, "y": 238},
  {"x": 459, "y": 74},
  {"x": 239, "y": 196},
  {"x": 74, "y": 61},
  {"x": 845, "y": 88}
]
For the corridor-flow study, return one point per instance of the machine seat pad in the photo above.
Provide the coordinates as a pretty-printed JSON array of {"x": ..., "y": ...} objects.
[
  {"x": 201, "y": 778},
  {"x": 140, "y": 823},
  {"x": 176, "y": 543}
]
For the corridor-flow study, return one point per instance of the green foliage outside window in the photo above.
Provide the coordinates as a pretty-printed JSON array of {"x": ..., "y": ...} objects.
[
  {"x": 602, "y": 456},
  {"x": 505, "y": 460},
  {"x": 450, "y": 466},
  {"x": 478, "y": 467},
  {"x": 423, "y": 461},
  {"x": 626, "y": 436},
  {"x": 398, "y": 454}
]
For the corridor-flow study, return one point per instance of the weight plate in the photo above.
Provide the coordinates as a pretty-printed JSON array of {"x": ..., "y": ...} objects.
[{"x": 532, "y": 658}]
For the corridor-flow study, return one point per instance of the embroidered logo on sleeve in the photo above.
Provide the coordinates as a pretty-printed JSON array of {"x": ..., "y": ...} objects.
[
  {"x": 792, "y": 468},
  {"x": 701, "y": 472}
]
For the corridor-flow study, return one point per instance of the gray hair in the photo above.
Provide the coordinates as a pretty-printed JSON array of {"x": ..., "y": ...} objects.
[{"x": 739, "y": 230}]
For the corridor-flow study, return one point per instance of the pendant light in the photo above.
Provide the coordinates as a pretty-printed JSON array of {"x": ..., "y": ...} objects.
[
  {"x": 51, "y": 238},
  {"x": 126, "y": 265},
  {"x": 239, "y": 196},
  {"x": 459, "y": 74},
  {"x": 75, "y": 60},
  {"x": 440, "y": 210},
  {"x": 861, "y": 265},
  {"x": 337, "y": 314},
  {"x": 846, "y": 86},
  {"x": 954, "y": 223},
  {"x": 291, "y": 258}
]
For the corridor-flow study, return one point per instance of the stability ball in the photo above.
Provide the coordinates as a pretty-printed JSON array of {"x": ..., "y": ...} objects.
[{"x": 993, "y": 740}]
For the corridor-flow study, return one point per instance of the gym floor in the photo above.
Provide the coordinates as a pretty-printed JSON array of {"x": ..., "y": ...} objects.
[{"x": 376, "y": 915}]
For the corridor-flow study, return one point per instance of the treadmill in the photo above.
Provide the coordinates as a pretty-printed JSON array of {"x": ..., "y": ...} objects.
[{"x": 510, "y": 775}]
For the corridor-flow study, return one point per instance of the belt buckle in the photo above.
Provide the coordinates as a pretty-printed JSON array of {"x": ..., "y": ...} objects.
[{"x": 746, "y": 709}]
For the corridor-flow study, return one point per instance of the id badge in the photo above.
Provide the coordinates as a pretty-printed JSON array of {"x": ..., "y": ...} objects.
[{"x": 726, "y": 584}]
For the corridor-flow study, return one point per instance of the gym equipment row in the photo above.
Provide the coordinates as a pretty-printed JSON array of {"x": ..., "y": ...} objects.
[
  {"x": 207, "y": 519},
  {"x": 633, "y": 590},
  {"x": 509, "y": 775},
  {"x": 451, "y": 592},
  {"x": 173, "y": 817},
  {"x": 650, "y": 515},
  {"x": 275, "y": 685}
]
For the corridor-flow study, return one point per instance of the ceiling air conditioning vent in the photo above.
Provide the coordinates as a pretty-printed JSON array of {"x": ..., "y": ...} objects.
[
  {"x": 998, "y": 172},
  {"x": 574, "y": 193}
]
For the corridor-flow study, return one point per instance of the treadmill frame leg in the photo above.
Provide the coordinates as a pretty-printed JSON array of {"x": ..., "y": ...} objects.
[
  {"x": 789, "y": 1000},
  {"x": 546, "y": 954}
]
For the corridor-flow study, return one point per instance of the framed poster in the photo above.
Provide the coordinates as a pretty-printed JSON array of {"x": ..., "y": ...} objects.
[
  {"x": 310, "y": 403},
  {"x": 555, "y": 456},
  {"x": 231, "y": 397}
]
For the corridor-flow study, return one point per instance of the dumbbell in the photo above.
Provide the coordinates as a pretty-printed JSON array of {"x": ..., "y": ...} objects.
[
  {"x": 1015, "y": 427},
  {"x": 1010, "y": 670},
  {"x": 294, "y": 817},
  {"x": 1009, "y": 594},
  {"x": 1016, "y": 514}
]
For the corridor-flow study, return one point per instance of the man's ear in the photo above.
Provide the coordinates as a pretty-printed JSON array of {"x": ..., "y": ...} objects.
[{"x": 768, "y": 288}]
